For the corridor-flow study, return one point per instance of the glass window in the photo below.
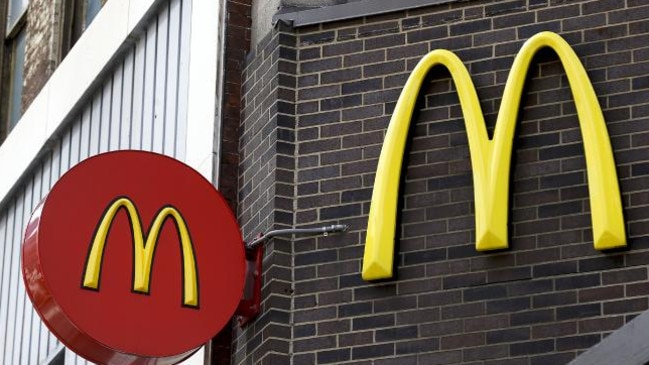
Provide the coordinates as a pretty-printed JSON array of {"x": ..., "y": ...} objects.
[
  {"x": 16, "y": 86},
  {"x": 92, "y": 8},
  {"x": 77, "y": 16},
  {"x": 16, "y": 10}
]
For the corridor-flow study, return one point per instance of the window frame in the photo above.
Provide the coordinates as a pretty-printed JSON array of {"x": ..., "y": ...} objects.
[
  {"x": 73, "y": 24},
  {"x": 20, "y": 20},
  {"x": 9, "y": 34},
  {"x": 11, "y": 41}
]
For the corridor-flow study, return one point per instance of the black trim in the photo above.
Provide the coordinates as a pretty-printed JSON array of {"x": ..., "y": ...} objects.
[
  {"x": 58, "y": 358},
  {"x": 353, "y": 10}
]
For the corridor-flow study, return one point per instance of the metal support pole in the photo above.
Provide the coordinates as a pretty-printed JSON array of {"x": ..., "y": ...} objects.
[{"x": 298, "y": 231}]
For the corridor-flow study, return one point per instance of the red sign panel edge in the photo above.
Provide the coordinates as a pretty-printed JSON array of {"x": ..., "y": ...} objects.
[{"x": 53, "y": 315}]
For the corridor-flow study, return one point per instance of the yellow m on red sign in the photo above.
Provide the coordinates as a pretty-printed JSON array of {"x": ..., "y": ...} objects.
[
  {"x": 143, "y": 250},
  {"x": 491, "y": 158}
]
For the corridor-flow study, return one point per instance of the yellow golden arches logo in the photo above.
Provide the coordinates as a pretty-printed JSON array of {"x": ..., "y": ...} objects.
[
  {"x": 491, "y": 158},
  {"x": 143, "y": 249}
]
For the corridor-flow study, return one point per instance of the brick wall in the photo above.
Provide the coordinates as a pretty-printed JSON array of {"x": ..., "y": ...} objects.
[
  {"x": 42, "y": 46},
  {"x": 237, "y": 44},
  {"x": 543, "y": 301},
  {"x": 266, "y": 191}
]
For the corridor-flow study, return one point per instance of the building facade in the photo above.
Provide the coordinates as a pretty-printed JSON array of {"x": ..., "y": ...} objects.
[
  {"x": 325, "y": 82},
  {"x": 133, "y": 80},
  {"x": 285, "y": 106}
]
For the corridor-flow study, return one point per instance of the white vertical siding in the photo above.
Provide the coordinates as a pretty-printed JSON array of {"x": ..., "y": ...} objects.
[
  {"x": 137, "y": 94},
  {"x": 183, "y": 76},
  {"x": 126, "y": 91},
  {"x": 140, "y": 104},
  {"x": 171, "y": 95}
]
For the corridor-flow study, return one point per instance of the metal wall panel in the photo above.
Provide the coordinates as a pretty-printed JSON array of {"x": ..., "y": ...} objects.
[{"x": 141, "y": 104}]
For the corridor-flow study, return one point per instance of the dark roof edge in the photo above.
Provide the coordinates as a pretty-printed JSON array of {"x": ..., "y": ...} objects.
[{"x": 352, "y": 10}]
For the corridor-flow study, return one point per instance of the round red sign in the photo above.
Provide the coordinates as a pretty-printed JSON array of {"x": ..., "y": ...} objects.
[{"x": 134, "y": 258}]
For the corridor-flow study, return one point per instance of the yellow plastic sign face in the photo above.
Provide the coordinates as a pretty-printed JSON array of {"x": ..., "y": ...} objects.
[
  {"x": 143, "y": 250},
  {"x": 491, "y": 158}
]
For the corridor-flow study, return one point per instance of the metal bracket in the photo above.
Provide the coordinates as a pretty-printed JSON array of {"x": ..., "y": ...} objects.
[
  {"x": 250, "y": 304},
  {"x": 334, "y": 228}
]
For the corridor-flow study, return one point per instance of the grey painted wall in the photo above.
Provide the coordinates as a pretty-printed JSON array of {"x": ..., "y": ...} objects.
[{"x": 262, "y": 15}]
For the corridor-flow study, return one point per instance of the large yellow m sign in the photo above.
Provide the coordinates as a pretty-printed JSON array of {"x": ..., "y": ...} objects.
[
  {"x": 143, "y": 250},
  {"x": 491, "y": 158}
]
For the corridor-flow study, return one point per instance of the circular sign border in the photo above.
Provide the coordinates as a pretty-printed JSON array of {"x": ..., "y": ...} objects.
[{"x": 52, "y": 313}]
